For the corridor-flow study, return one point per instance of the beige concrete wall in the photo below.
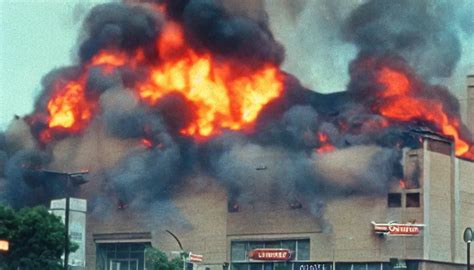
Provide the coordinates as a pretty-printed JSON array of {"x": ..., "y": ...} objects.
[
  {"x": 447, "y": 207},
  {"x": 465, "y": 206},
  {"x": 111, "y": 222},
  {"x": 438, "y": 174},
  {"x": 276, "y": 217},
  {"x": 205, "y": 207},
  {"x": 440, "y": 266}
]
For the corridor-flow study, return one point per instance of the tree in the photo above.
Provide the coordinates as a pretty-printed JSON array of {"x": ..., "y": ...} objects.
[
  {"x": 36, "y": 238},
  {"x": 156, "y": 259}
]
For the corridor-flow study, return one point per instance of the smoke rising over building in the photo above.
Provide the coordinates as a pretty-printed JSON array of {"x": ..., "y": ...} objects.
[{"x": 181, "y": 113}]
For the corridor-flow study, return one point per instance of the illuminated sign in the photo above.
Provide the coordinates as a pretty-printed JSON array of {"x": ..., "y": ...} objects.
[
  {"x": 4, "y": 245},
  {"x": 397, "y": 229},
  {"x": 270, "y": 254}
]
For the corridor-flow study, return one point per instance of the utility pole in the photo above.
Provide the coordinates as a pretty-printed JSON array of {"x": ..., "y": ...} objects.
[
  {"x": 66, "y": 223},
  {"x": 75, "y": 179}
]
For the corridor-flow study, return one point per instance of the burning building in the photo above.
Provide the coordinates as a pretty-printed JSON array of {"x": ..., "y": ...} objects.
[{"x": 185, "y": 121}]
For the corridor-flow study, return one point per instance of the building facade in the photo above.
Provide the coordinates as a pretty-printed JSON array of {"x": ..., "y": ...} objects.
[{"x": 418, "y": 225}]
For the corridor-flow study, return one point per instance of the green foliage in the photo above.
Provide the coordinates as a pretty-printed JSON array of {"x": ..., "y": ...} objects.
[
  {"x": 156, "y": 259},
  {"x": 36, "y": 238}
]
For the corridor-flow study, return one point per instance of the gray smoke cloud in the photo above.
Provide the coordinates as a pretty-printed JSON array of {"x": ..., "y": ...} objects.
[
  {"x": 144, "y": 176},
  {"x": 434, "y": 36},
  {"x": 370, "y": 170},
  {"x": 23, "y": 185},
  {"x": 422, "y": 32},
  {"x": 255, "y": 174}
]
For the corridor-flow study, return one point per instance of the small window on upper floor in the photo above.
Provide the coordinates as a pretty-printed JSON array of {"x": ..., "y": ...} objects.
[
  {"x": 394, "y": 200},
  {"x": 233, "y": 206},
  {"x": 413, "y": 199}
]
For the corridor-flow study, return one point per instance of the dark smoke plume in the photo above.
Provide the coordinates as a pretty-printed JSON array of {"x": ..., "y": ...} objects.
[
  {"x": 144, "y": 176},
  {"x": 24, "y": 185},
  {"x": 421, "y": 32},
  {"x": 120, "y": 27},
  {"x": 209, "y": 26}
]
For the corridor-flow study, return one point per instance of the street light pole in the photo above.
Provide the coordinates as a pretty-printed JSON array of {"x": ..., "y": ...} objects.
[
  {"x": 181, "y": 247},
  {"x": 66, "y": 223},
  {"x": 468, "y": 256},
  {"x": 468, "y": 236},
  {"x": 75, "y": 179}
]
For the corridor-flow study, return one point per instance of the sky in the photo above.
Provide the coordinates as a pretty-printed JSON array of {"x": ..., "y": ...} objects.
[{"x": 37, "y": 36}]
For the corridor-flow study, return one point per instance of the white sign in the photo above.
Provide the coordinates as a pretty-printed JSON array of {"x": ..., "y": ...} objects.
[{"x": 77, "y": 227}]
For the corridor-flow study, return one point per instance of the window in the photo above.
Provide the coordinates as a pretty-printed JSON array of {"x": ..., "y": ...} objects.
[
  {"x": 394, "y": 200},
  {"x": 121, "y": 256},
  {"x": 413, "y": 199},
  {"x": 238, "y": 251},
  {"x": 233, "y": 206},
  {"x": 313, "y": 266},
  {"x": 300, "y": 249},
  {"x": 303, "y": 250},
  {"x": 363, "y": 266}
]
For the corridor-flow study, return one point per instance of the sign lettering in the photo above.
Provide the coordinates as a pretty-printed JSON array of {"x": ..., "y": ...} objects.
[
  {"x": 398, "y": 229},
  {"x": 270, "y": 254},
  {"x": 315, "y": 266}
]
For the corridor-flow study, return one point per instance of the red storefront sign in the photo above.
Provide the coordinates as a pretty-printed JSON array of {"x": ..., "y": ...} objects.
[
  {"x": 398, "y": 229},
  {"x": 270, "y": 254}
]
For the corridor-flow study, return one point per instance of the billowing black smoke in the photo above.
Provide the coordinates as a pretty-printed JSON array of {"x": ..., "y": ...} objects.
[
  {"x": 23, "y": 182},
  {"x": 209, "y": 26},
  {"x": 120, "y": 27}
]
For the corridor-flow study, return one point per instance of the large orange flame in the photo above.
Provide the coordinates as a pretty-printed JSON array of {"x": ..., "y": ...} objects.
[
  {"x": 225, "y": 96},
  {"x": 402, "y": 106},
  {"x": 68, "y": 109}
]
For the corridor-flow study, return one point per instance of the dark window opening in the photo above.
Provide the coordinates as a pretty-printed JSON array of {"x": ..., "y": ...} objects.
[
  {"x": 413, "y": 199},
  {"x": 295, "y": 204},
  {"x": 128, "y": 256},
  {"x": 232, "y": 207},
  {"x": 394, "y": 200}
]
